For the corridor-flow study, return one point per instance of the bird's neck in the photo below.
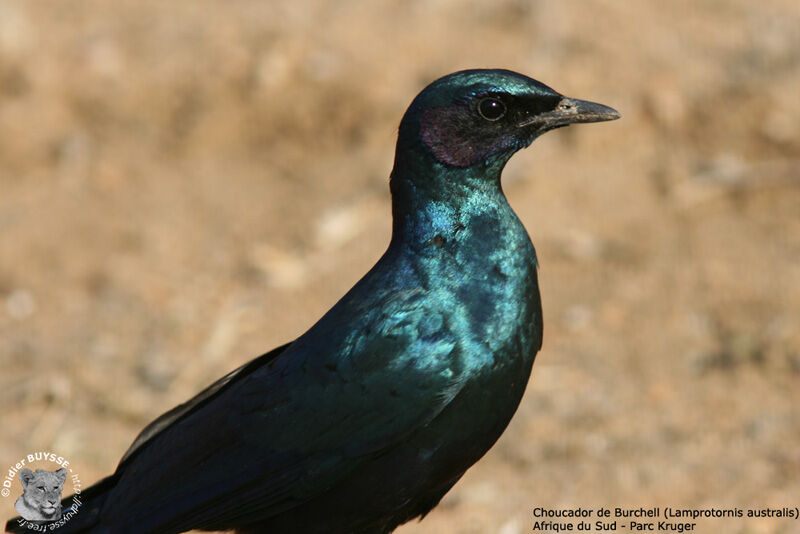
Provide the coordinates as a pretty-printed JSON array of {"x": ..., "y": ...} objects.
[{"x": 431, "y": 203}]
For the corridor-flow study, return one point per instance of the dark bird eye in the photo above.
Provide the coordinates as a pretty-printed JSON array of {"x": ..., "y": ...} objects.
[{"x": 491, "y": 109}]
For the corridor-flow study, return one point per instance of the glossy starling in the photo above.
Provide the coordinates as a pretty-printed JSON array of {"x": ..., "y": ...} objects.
[{"x": 366, "y": 420}]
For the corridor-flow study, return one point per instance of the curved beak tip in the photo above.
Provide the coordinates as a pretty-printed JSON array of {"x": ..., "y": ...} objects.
[{"x": 612, "y": 114}]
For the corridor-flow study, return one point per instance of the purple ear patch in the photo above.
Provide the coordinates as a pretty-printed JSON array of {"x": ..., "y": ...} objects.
[{"x": 455, "y": 137}]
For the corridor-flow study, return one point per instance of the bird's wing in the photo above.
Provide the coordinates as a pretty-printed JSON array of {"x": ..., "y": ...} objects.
[
  {"x": 182, "y": 410},
  {"x": 291, "y": 429}
]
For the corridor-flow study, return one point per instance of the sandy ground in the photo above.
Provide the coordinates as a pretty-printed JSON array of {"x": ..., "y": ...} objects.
[{"x": 186, "y": 184}]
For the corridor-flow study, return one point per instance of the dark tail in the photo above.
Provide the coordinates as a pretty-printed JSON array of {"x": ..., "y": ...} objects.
[{"x": 80, "y": 513}]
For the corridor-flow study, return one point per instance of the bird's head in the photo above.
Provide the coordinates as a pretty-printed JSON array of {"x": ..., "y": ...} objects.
[{"x": 480, "y": 118}]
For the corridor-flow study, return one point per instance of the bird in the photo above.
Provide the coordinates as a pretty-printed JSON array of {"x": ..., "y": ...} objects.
[{"x": 370, "y": 417}]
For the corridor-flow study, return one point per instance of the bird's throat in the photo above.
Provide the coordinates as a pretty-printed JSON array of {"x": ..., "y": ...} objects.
[{"x": 432, "y": 207}]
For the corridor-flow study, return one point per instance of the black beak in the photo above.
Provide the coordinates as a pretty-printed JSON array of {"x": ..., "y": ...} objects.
[{"x": 571, "y": 111}]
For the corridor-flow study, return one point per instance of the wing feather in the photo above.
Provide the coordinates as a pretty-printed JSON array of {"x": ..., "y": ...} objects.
[{"x": 297, "y": 423}]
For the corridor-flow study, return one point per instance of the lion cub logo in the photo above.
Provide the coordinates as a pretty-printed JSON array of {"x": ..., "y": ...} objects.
[{"x": 41, "y": 499}]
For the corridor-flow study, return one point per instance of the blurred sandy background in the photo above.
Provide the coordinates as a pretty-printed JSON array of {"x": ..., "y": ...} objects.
[{"x": 186, "y": 184}]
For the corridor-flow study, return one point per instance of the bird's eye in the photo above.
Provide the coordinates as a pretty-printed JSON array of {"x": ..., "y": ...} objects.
[{"x": 491, "y": 109}]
